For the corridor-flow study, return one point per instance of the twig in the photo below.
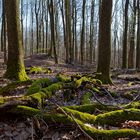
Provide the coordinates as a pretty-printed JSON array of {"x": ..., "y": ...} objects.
[
  {"x": 103, "y": 103},
  {"x": 133, "y": 100},
  {"x": 59, "y": 107},
  {"x": 80, "y": 128},
  {"x": 96, "y": 98},
  {"x": 64, "y": 112}
]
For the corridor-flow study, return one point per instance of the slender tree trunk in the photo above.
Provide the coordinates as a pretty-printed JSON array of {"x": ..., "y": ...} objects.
[
  {"x": 75, "y": 33},
  {"x": 37, "y": 9},
  {"x": 53, "y": 37},
  {"x": 82, "y": 45},
  {"x": 124, "y": 57},
  {"x": 22, "y": 12},
  {"x": 64, "y": 31},
  {"x": 92, "y": 47},
  {"x": 132, "y": 38},
  {"x": 46, "y": 21},
  {"x": 26, "y": 31},
  {"x": 138, "y": 38},
  {"x": 4, "y": 33}
]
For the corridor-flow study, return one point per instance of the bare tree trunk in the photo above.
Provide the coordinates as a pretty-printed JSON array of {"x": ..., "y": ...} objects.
[
  {"x": 132, "y": 38},
  {"x": 37, "y": 9},
  {"x": 138, "y": 38},
  {"x": 15, "y": 64},
  {"x": 104, "y": 53},
  {"x": 82, "y": 45},
  {"x": 53, "y": 37},
  {"x": 92, "y": 47},
  {"x": 4, "y": 33},
  {"x": 32, "y": 30},
  {"x": 124, "y": 57}
]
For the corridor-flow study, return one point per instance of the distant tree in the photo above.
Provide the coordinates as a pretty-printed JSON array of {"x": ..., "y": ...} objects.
[
  {"x": 104, "y": 52},
  {"x": 124, "y": 53},
  {"x": 92, "y": 47},
  {"x": 3, "y": 33},
  {"x": 132, "y": 37},
  {"x": 138, "y": 37},
  {"x": 82, "y": 45},
  {"x": 37, "y": 10},
  {"x": 53, "y": 36},
  {"x": 69, "y": 48},
  {"x": 15, "y": 64}
]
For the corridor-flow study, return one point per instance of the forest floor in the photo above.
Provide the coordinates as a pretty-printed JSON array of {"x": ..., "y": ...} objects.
[{"x": 126, "y": 89}]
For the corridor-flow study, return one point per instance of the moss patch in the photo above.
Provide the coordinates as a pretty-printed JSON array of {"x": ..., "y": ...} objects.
[
  {"x": 13, "y": 85},
  {"x": 38, "y": 85},
  {"x": 86, "y": 98},
  {"x": 37, "y": 70},
  {"x": 117, "y": 117}
]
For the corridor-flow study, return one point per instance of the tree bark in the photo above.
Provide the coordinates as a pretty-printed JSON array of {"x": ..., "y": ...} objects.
[
  {"x": 104, "y": 52},
  {"x": 15, "y": 65},
  {"x": 124, "y": 53}
]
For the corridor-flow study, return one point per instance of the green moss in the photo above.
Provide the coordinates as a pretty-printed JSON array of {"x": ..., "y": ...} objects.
[
  {"x": 54, "y": 87},
  {"x": 1, "y": 100},
  {"x": 63, "y": 78},
  {"x": 109, "y": 134},
  {"x": 38, "y": 97},
  {"x": 80, "y": 81},
  {"x": 86, "y": 98},
  {"x": 13, "y": 85},
  {"x": 16, "y": 72},
  {"x": 133, "y": 105},
  {"x": 96, "y": 81},
  {"x": 104, "y": 78},
  {"x": 91, "y": 108},
  {"x": 84, "y": 117},
  {"x": 25, "y": 111},
  {"x": 36, "y": 70},
  {"x": 38, "y": 85},
  {"x": 117, "y": 117},
  {"x": 130, "y": 84},
  {"x": 98, "y": 92}
]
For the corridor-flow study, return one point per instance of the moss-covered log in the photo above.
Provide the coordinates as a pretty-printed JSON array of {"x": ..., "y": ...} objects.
[
  {"x": 25, "y": 111},
  {"x": 91, "y": 108},
  {"x": 114, "y": 118},
  {"x": 117, "y": 117}
]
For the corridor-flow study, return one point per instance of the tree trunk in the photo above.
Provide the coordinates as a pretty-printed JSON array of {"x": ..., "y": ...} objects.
[
  {"x": 138, "y": 38},
  {"x": 104, "y": 55},
  {"x": 132, "y": 38},
  {"x": 53, "y": 37},
  {"x": 82, "y": 45},
  {"x": 124, "y": 57},
  {"x": 15, "y": 65},
  {"x": 92, "y": 47}
]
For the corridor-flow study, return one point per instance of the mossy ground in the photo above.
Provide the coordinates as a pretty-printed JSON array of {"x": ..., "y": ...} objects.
[{"x": 43, "y": 89}]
